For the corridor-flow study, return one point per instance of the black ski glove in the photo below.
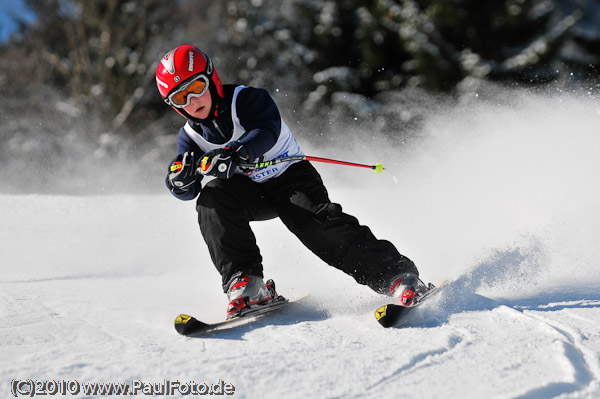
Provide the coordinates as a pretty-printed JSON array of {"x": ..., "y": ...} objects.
[
  {"x": 222, "y": 162},
  {"x": 183, "y": 173}
]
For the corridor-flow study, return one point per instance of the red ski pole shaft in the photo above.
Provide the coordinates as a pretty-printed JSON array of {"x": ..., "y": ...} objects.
[
  {"x": 359, "y": 165},
  {"x": 377, "y": 167}
]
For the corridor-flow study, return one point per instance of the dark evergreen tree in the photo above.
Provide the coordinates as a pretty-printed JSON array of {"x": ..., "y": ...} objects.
[
  {"x": 371, "y": 46},
  {"x": 514, "y": 39},
  {"x": 581, "y": 53}
]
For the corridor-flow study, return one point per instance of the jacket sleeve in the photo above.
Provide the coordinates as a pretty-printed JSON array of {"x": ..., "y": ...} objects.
[
  {"x": 185, "y": 144},
  {"x": 260, "y": 117}
]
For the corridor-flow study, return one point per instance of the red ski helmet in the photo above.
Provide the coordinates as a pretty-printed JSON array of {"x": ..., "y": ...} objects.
[{"x": 185, "y": 63}]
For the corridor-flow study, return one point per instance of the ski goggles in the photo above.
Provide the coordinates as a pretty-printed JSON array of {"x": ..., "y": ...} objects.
[{"x": 182, "y": 97}]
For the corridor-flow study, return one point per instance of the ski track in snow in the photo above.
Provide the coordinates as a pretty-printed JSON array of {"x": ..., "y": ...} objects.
[
  {"x": 583, "y": 360},
  {"x": 90, "y": 286}
]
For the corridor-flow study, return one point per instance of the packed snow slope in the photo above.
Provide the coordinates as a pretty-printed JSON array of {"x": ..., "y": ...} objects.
[{"x": 499, "y": 198}]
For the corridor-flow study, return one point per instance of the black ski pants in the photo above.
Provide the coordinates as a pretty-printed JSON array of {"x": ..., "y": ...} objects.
[{"x": 299, "y": 198}]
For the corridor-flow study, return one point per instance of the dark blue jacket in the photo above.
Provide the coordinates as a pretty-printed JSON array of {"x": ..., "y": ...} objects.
[{"x": 259, "y": 116}]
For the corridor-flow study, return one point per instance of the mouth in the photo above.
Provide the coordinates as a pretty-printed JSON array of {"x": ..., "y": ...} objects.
[{"x": 200, "y": 109}]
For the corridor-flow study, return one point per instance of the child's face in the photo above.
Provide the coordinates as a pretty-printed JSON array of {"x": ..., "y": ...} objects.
[{"x": 200, "y": 106}]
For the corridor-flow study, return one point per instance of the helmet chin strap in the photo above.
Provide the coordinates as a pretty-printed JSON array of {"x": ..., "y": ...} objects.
[{"x": 218, "y": 103}]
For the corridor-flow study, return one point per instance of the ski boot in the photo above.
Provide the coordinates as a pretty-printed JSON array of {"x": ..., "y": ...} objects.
[
  {"x": 246, "y": 293},
  {"x": 407, "y": 288}
]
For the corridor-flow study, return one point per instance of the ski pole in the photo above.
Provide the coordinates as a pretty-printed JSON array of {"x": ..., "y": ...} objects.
[{"x": 378, "y": 168}]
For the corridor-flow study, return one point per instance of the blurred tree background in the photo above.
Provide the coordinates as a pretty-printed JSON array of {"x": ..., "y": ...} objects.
[{"x": 78, "y": 80}]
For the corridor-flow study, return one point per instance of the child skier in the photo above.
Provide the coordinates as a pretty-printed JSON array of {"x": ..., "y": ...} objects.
[{"x": 229, "y": 124}]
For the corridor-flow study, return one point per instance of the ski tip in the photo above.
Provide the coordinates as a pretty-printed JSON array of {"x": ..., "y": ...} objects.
[
  {"x": 182, "y": 319},
  {"x": 384, "y": 317},
  {"x": 381, "y": 312},
  {"x": 186, "y": 325},
  {"x": 389, "y": 315}
]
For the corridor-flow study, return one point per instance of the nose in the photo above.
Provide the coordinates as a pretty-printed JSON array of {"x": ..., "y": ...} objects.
[{"x": 195, "y": 100}]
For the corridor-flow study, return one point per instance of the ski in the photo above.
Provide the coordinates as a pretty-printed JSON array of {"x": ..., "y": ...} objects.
[
  {"x": 189, "y": 326},
  {"x": 391, "y": 314}
]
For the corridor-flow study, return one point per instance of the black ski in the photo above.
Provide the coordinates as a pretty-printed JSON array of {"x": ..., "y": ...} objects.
[
  {"x": 191, "y": 327},
  {"x": 389, "y": 315}
]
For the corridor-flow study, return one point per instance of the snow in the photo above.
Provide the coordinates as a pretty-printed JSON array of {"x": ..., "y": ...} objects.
[{"x": 500, "y": 198}]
